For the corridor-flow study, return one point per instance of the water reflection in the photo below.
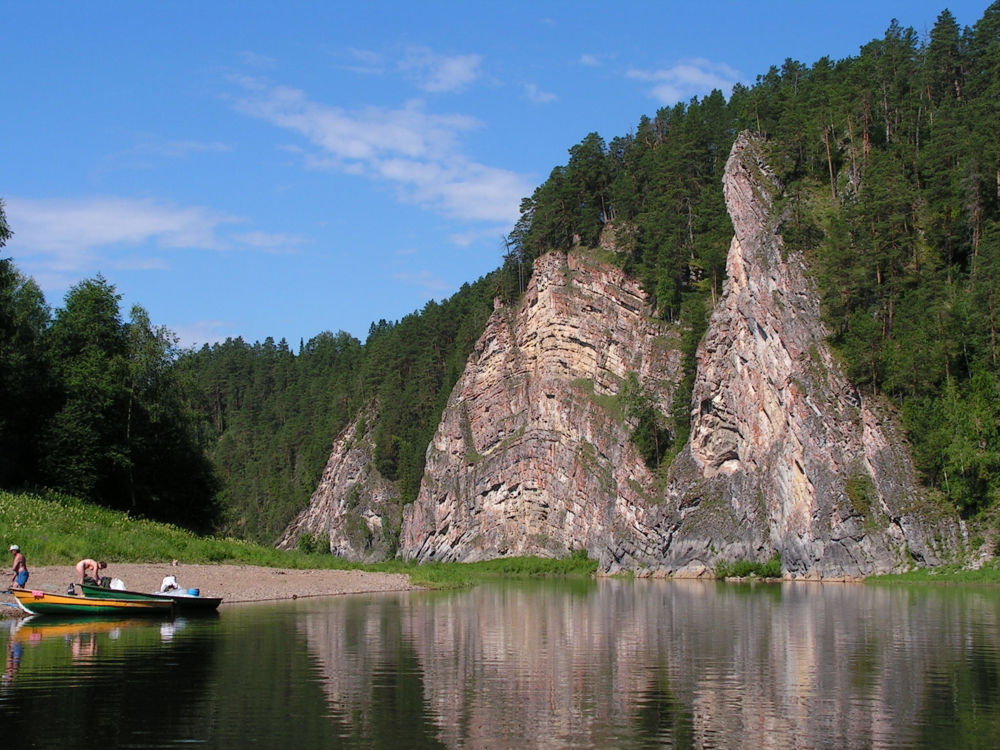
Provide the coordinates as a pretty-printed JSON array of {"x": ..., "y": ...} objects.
[
  {"x": 605, "y": 664},
  {"x": 674, "y": 664}
]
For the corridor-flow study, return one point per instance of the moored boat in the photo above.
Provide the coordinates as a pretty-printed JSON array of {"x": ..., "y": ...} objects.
[
  {"x": 48, "y": 603},
  {"x": 182, "y": 602}
]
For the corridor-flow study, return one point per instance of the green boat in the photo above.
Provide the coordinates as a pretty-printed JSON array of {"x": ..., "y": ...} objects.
[
  {"x": 47, "y": 603},
  {"x": 182, "y": 602}
]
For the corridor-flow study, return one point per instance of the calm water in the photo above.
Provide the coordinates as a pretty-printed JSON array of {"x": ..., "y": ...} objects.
[{"x": 607, "y": 664}]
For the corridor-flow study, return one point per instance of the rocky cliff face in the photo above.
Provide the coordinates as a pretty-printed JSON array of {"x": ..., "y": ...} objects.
[
  {"x": 785, "y": 457},
  {"x": 354, "y": 510},
  {"x": 532, "y": 456}
]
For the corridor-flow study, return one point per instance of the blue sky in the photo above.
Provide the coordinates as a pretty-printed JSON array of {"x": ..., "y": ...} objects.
[{"x": 275, "y": 169}]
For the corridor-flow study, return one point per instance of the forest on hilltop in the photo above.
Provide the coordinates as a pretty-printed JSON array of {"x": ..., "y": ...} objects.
[{"x": 891, "y": 167}]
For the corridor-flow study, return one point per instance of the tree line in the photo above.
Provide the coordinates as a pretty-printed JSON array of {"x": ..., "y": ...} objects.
[
  {"x": 891, "y": 166},
  {"x": 93, "y": 406},
  {"x": 272, "y": 413}
]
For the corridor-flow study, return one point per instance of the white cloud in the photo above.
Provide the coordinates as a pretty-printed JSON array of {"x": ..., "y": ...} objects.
[
  {"x": 437, "y": 73},
  {"x": 369, "y": 62},
  {"x": 143, "y": 154},
  {"x": 366, "y": 56},
  {"x": 687, "y": 79},
  {"x": 590, "y": 60},
  {"x": 537, "y": 96},
  {"x": 56, "y": 241},
  {"x": 67, "y": 234},
  {"x": 465, "y": 239},
  {"x": 410, "y": 148},
  {"x": 424, "y": 280}
]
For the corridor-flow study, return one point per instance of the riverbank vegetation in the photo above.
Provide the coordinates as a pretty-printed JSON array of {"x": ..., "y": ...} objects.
[
  {"x": 60, "y": 530},
  {"x": 749, "y": 569},
  {"x": 891, "y": 173},
  {"x": 988, "y": 573}
]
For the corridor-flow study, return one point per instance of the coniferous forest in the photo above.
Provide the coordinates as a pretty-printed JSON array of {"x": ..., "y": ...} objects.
[{"x": 891, "y": 166}]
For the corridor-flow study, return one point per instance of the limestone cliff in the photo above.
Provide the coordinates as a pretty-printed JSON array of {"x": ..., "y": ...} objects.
[
  {"x": 533, "y": 453},
  {"x": 532, "y": 456},
  {"x": 785, "y": 457},
  {"x": 354, "y": 509}
]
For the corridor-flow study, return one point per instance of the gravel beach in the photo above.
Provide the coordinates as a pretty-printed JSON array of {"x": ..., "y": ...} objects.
[{"x": 235, "y": 583}]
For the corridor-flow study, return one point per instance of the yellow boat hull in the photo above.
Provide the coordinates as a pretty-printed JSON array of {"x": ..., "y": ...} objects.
[{"x": 47, "y": 603}]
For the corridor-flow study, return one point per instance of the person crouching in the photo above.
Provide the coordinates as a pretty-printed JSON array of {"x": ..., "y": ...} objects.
[{"x": 90, "y": 572}]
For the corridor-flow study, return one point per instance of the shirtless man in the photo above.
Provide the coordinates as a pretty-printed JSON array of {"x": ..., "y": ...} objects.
[
  {"x": 20, "y": 568},
  {"x": 90, "y": 571}
]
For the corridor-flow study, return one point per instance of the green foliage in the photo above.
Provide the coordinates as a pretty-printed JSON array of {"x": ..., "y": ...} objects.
[
  {"x": 24, "y": 371},
  {"x": 270, "y": 417},
  {"x": 890, "y": 165},
  {"x": 861, "y": 493},
  {"x": 313, "y": 544},
  {"x": 60, "y": 529},
  {"x": 749, "y": 568},
  {"x": 92, "y": 405},
  {"x": 649, "y": 436},
  {"x": 272, "y": 414},
  {"x": 989, "y": 573},
  {"x": 456, "y": 575}
]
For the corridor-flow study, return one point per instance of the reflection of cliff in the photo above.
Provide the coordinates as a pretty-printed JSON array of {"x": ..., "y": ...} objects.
[
  {"x": 372, "y": 675},
  {"x": 623, "y": 664}
]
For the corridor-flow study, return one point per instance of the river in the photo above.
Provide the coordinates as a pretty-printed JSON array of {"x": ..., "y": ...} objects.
[{"x": 547, "y": 664}]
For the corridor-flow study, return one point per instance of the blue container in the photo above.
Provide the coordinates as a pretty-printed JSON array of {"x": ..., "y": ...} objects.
[{"x": 194, "y": 592}]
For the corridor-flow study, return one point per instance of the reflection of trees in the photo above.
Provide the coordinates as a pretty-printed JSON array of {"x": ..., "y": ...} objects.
[
  {"x": 962, "y": 706},
  {"x": 372, "y": 674},
  {"x": 661, "y": 720},
  {"x": 97, "y": 686},
  {"x": 668, "y": 664}
]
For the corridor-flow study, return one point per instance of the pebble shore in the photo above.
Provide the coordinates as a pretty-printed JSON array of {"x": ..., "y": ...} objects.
[{"x": 235, "y": 583}]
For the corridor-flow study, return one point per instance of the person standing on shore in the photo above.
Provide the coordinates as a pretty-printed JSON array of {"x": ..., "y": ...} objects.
[
  {"x": 20, "y": 568},
  {"x": 90, "y": 571}
]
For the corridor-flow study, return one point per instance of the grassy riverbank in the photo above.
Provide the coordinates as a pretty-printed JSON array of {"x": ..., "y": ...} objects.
[
  {"x": 59, "y": 530},
  {"x": 989, "y": 573}
]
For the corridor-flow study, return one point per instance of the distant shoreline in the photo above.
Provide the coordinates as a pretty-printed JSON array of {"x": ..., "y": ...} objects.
[{"x": 234, "y": 583}]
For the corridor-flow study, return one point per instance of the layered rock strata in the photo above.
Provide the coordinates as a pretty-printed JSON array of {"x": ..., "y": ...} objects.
[
  {"x": 786, "y": 457},
  {"x": 532, "y": 456},
  {"x": 354, "y": 511}
]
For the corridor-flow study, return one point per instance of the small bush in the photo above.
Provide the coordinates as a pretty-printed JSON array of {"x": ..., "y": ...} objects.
[
  {"x": 749, "y": 568},
  {"x": 311, "y": 544}
]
